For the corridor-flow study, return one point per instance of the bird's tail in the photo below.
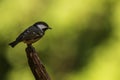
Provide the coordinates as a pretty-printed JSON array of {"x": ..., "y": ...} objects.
[{"x": 13, "y": 44}]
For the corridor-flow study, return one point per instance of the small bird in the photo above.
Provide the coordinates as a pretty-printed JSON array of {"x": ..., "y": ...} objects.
[{"x": 32, "y": 34}]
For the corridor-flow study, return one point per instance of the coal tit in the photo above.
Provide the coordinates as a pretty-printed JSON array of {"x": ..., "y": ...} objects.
[{"x": 32, "y": 34}]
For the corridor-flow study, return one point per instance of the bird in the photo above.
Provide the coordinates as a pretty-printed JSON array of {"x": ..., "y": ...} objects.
[{"x": 31, "y": 34}]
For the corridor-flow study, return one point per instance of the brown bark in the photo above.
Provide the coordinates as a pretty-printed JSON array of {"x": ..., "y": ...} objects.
[{"x": 36, "y": 65}]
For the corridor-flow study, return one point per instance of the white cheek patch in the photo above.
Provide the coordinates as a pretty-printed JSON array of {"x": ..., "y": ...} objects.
[{"x": 41, "y": 27}]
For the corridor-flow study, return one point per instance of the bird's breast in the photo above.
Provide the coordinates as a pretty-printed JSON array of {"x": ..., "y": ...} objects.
[{"x": 31, "y": 41}]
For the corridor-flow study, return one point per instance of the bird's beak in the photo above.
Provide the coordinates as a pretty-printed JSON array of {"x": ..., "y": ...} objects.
[{"x": 49, "y": 28}]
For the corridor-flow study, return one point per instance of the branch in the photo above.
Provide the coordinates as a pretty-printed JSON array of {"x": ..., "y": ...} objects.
[{"x": 36, "y": 65}]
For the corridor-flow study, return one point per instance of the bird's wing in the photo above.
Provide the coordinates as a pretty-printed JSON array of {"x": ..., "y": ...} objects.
[{"x": 30, "y": 33}]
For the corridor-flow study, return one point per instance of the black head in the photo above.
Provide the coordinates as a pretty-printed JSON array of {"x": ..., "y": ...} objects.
[{"x": 42, "y": 26}]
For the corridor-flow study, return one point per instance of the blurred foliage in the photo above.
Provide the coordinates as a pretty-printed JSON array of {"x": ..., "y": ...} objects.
[{"x": 83, "y": 44}]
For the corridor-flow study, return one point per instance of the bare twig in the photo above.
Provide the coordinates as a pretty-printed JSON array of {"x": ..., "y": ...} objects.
[{"x": 36, "y": 65}]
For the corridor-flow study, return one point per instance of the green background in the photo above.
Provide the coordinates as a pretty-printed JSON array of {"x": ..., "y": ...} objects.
[{"x": 84, "y": 43}]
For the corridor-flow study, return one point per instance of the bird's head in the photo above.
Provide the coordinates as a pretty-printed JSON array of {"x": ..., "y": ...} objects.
[{"x": 42, "y": 26}]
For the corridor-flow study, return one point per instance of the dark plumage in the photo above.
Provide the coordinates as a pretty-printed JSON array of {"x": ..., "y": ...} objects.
[{"x": 32, "y": 34}]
